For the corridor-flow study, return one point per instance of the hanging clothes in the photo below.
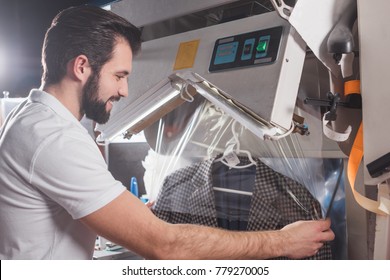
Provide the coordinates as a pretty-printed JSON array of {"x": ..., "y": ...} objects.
[
  {"x": 188, "y": 196},
  {"x": 233, "y": 193}
]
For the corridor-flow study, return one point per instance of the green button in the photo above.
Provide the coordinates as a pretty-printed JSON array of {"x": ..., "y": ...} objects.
[{"x": 262, "y": 46}]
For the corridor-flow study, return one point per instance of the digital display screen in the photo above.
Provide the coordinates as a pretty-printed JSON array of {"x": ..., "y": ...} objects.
[{"x": 226, "y": 53}]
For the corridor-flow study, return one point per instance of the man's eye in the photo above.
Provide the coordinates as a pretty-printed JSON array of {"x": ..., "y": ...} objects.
[{"x": 119, "y": 77}]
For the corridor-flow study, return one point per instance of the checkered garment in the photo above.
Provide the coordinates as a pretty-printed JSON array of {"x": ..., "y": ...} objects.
[{"x": 187, "y": 196}]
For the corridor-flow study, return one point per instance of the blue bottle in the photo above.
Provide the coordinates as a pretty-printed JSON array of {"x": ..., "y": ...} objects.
[{"x": 134, "y": 186}]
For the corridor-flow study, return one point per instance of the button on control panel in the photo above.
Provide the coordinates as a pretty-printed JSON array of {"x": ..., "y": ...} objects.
[{"x": 262, "y": 46}]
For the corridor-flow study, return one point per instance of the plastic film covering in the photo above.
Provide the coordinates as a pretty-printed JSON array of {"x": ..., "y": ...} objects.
[{"x": 205, "y": 168}]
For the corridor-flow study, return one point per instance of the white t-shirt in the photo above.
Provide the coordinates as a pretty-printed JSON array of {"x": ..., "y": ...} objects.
[{"x": 51, "y": 174}]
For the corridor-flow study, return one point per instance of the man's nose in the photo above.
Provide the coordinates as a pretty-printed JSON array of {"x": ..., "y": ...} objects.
[{"x": 124, "y": 89}]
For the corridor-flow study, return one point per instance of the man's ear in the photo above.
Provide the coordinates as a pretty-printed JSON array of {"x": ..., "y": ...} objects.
[{"x": 81, "y": 68}]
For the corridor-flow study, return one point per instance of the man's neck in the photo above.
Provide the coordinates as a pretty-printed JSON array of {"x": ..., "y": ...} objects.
[{"x": 68, "y": 94}]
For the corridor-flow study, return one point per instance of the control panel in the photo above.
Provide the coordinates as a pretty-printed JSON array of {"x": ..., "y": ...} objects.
[{"x": 248, "y": 49}]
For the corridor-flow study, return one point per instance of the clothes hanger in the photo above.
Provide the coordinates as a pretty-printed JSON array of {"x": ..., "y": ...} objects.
[
  {"x": 230, "y": 159},
  {"x": 231, "y": 191}
]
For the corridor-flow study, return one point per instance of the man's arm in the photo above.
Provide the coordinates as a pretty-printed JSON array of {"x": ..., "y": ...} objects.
[{"x": 128, "y": 222}]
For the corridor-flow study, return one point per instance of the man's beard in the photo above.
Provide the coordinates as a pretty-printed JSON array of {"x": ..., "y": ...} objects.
[{"x": 94, "y": 108}]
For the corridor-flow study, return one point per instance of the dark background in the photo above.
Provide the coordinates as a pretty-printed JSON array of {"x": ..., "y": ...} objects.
[{"x": 23, "y": 24}]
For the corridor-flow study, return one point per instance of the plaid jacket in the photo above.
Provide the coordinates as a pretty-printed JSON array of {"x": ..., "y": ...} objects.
[{"x": 187, "y": 196}]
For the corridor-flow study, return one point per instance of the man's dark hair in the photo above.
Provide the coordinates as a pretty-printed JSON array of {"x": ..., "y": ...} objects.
[{"x": 87, "y": 30}]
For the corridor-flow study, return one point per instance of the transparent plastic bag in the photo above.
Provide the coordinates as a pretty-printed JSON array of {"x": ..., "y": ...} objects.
[{"x": 214, "y": 172}]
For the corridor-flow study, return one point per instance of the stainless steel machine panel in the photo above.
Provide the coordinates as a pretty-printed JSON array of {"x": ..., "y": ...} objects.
[
  {"x": 269, "y": 90},
  {"x": 145, "y": 12}
]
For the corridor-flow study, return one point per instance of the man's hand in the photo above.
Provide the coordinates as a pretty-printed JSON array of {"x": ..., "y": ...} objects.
[
  {"x": 304, "y": 238},
  {"x": 149, "y": 204}
]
